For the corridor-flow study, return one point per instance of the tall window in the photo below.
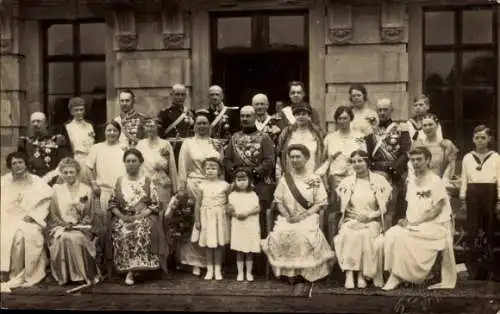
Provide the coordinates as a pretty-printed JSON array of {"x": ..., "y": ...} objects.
[
  {"x": 461, "y": 69},
  {"x": 74, "y": 65}
]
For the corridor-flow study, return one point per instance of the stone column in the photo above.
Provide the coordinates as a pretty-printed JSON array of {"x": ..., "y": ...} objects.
[{"x": 12, "y": 93}]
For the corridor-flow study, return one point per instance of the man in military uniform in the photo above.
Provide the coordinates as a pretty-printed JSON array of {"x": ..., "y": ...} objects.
[
  {"x": 297, "y": 94},
  {"x": 265, "y": 122},
  {"x": 176, "y": 121},
  {"x": 131, "y": 121},
  {"x": 388, "y": 146},
  {"x": 44, "y": 150},
  {"x": 225, "y": 119}
]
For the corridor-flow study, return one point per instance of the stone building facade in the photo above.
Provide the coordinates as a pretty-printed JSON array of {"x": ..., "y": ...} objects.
[{"x": 53, "y": 49}]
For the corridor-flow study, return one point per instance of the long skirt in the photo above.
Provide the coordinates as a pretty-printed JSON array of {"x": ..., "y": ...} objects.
[
  {"x": 355, "y": 247},
  {"x": 410, "y": 252},
  {"x": 73, "y": 258},
  {"x": 299, "y": 249},
  {"x": 190, "y": 253},
  {"x": 132, "y": 247},
  {"x": 23, "y": 254}
]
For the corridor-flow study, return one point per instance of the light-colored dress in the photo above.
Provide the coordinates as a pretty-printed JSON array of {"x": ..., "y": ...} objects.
[
  {"x": 132, "y": 245},
  {"x": 361, "y": 122},
  {"x": 245, "y": 234},
  {"x": 214, "y": 230},
  {"x": 81, "y": 136},
  {"x": 411, "y": 251},
  {"x": 72, "y": 253},
  {"x": 107, "y": 162},
  {"x": 159, "y": 164},
  {"x": 356, "y": 242},
  {"x": 193, "y": 152},
  {"x": 22, "y": 251},
  {"x": 299, "y": 249},
  {"x": 337, "y": 142}
]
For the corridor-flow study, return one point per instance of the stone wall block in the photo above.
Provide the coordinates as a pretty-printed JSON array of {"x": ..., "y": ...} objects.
[
  {"x": 366, "y": 24},
  {"x": 125, "y": 29},
  {"x": 363, "y": 64},
  {"x": 152, "y": 69},
  {"x": 10, "y": 72}
]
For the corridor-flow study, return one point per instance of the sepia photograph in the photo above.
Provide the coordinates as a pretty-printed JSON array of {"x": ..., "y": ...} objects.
[{"x": 266, "y": 156}]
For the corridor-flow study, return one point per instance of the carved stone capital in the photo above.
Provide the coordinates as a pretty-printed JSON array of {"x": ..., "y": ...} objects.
[
  {"x": 126, "y": 41},
  {"x": 393, "y": 34},
  {"x": 6, "y": 45},
  {"x": 173, "y": 40},
  {"x": 340, "y": 35}
]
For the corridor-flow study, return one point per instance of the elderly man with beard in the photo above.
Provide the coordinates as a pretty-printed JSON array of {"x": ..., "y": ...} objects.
[
  {"x": 224, "y": 120},
  {"x": 44, "y": 150},
  {"x": 387, "y": 147},
  {"x": 176, "y": 120}
]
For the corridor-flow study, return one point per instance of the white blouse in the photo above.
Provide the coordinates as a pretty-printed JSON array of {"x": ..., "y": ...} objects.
[
  {"x": 107, "y": 161},
  {"x": 337, "y": 142},
  {"x": 81, "y": 135},
  {"x": 486, "y": 171}
]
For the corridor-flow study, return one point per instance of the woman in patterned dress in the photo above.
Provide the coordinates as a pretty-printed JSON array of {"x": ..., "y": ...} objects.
[
  {"x": 134, "y": 207},
  {"x": 297, "y": 246},
  {"x": 72, "y": 253},
  {"x": 364, "y": 197},
  {"x": 194, "y": 151}
]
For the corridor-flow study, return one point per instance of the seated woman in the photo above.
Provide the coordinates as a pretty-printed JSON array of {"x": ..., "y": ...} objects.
[
  {"x": 363, "y": 197},
  {"x": 296, "y": 246},
  {"x": 72, "y": 253},
  {"x": 25, "y": 200},
  {"x": 411, "y": 247},
  {"x": 134, "y": 206}
]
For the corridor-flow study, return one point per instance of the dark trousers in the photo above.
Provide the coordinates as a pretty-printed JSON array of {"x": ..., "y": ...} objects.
[{"x": 481, "y": 200}]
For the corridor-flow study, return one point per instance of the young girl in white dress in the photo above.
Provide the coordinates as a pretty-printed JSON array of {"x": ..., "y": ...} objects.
[
  {"x": 243, "y": 207},
  {"x": 211, "y": 221}
]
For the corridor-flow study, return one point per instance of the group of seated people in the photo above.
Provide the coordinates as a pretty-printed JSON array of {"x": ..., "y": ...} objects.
[{"x": 134, "y": 204}]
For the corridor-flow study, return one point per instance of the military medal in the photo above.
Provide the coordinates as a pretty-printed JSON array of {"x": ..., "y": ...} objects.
[{"x": 36, "y": 154}]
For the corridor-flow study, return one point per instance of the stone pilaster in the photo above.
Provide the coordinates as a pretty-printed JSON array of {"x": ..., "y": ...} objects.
[{"x": 12, "y": 93}]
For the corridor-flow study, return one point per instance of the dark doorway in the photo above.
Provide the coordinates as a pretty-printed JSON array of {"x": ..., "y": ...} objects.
[
  {"x": 259, "y": 52},
  {"x": 243, "y": 75}
]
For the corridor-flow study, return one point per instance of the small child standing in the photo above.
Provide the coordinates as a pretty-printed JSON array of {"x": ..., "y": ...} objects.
[
  {"x": 210, "y": 217},
  {"x": 244, "y": 208},
  {"x": 480, "y": 193}
]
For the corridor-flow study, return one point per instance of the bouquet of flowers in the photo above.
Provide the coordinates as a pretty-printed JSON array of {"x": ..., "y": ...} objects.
[{"x": 181, "y": 218}]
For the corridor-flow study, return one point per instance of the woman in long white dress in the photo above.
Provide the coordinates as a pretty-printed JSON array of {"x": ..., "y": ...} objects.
[
  {"x": 339, "y": 145},
  {"x": 105, "y": 165},
  {"x": 79, "y": 132},
  {"x": 297, "y": 246},
  {"x": 411, "y": 247},
  {"x": 193, "y": 152},
  {"x": 159, "y": 161},
  {"x": 364, "y": 197},
  {"x": 25, "y": 200},
  {"x": 364, "y": 116},
  {"x": 72, "y": 252}
]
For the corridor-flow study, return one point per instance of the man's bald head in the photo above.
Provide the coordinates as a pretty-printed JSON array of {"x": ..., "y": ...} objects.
[
  {"x": 260, "y": 98},
  {"x": 260, "y": 102},
  {"x": 215, "y": 94},
  {"x": 179, "y": 94},
  {"x": 384, "y": 109},
  {"x": 247, "y": 116}
]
